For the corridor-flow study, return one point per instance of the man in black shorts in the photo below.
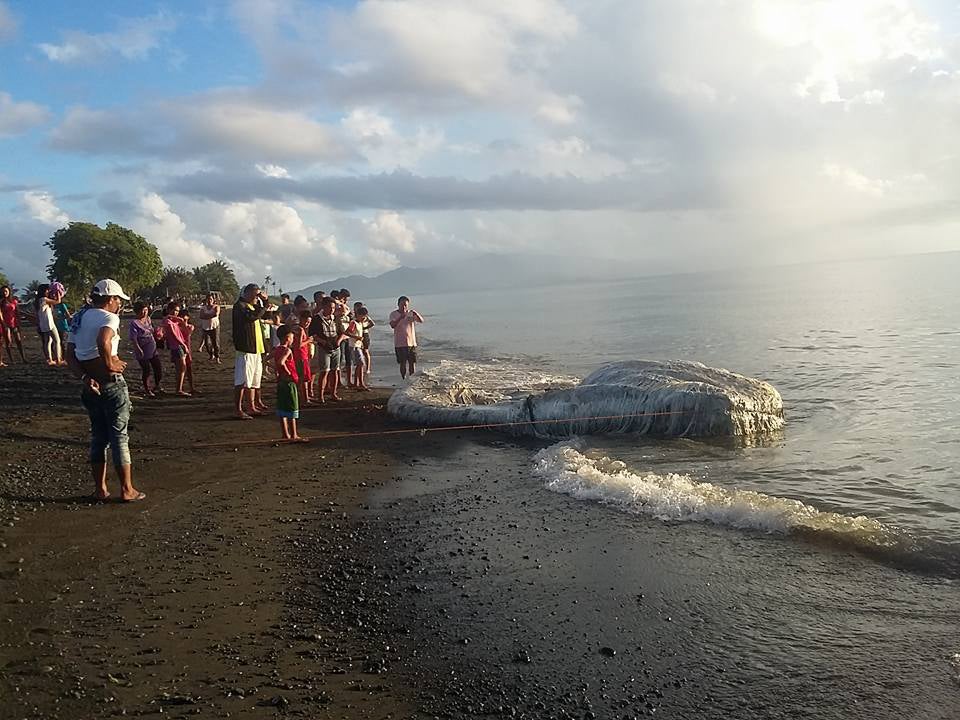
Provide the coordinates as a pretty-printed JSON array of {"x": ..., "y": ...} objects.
[{"x": 403, "y": 321}]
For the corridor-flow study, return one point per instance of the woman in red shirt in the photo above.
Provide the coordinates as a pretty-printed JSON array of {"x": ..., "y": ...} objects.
[{"x": 10, "y": 323}]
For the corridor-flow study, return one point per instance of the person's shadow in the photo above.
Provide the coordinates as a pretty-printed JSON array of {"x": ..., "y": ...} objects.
[{"x": 46, "y": 499}]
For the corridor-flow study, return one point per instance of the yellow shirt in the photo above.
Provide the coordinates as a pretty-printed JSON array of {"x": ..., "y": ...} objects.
[{"x": 258, "y": 332}]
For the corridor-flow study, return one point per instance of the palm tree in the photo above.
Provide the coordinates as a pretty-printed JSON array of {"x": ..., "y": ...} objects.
[
  {"x": 266, "y": 283},
  {"x": 30, "y": 291}
]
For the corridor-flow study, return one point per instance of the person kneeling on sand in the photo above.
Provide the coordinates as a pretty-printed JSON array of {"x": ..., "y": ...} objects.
[
  {"x": 288, "y": 401},
  {"x": 403, "y": 320},
  {"x": 92, "y": 355}
]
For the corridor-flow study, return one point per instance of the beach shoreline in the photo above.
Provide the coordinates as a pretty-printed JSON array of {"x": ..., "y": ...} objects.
[
  {"x": 184, "y": 602},
  {"x": 382, "y": 576}
]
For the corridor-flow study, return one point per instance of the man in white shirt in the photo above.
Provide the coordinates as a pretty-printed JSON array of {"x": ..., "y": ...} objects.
[{"x": 92, "y": 355}]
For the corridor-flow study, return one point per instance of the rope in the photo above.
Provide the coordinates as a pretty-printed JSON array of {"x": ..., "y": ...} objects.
[{"x": 444, "y": 428}]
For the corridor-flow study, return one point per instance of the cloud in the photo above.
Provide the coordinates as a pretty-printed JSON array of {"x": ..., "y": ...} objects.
[
  {"x": 389, "y": 231},
  {"x": 419, "y": 55},
  {"x": 156, "y": 221},
  {"x": 42, "y": 207},
  {"x": 8, "y": 23},
  {"x": 18, "y": 117},
  {"x": 250, "y": 236},
  {"x": 224, "y": 126},
  {"x": 383, "y": 147},
  {"x": 134, "y": 39},
  {"x": 405, "y": 190}
]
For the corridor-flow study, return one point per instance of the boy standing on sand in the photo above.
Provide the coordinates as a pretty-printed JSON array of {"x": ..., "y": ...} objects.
[
  {"x": 288, "y": 401},
  {"x": 327, "y": 336},
  {"x": 403, "y": 320}
]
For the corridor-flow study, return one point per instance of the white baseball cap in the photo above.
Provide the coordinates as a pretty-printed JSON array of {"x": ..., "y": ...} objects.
[{"x": 109, "y": 288}]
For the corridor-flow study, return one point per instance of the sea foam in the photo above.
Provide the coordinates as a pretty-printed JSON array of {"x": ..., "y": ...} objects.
[
  {"x": 566, "y": 468},
  {"x": 670, "y": 399}
]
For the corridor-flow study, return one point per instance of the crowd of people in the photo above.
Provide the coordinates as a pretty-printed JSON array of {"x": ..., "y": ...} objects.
[{"x": 313, "y": 350}]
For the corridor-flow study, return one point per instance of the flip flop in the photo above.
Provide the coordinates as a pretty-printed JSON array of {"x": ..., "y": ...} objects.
[
  {"x": 140, "y": 496},
  {"x": 244, "y": 417}
]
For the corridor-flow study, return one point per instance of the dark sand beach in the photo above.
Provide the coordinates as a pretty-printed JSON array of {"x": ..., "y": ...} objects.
[{"x": 415, "y": 576}]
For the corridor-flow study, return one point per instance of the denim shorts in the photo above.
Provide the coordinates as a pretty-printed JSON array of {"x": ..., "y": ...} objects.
[
  {"x": 109, "y": 416},
  {"x": 329, "y": 360}
]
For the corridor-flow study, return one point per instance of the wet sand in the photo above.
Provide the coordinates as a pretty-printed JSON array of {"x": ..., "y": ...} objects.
[{"x": 415, "y": 576}]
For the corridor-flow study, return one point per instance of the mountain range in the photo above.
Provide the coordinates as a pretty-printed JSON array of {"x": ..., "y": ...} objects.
[{"x": 484, "y": 272}]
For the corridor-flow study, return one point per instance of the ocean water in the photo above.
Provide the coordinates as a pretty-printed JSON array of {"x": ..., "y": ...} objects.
[{"x": 866, "y": 356}]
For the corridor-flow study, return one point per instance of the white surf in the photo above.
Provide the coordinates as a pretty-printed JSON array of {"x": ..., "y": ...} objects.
[{"x": 566, "y": 468}]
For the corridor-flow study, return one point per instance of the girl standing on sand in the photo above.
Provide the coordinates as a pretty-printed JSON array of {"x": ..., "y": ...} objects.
[
  {"x": 49, "y": 337},
  {"x": 302, "y": 344},
  {"x": 10, "y": 322},
  {"x": 176, "y": 333},
  {"x": 144, "y": 344}
]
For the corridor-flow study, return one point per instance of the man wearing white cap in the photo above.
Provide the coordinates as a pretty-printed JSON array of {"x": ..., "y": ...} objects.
[{"x": 92, "y": 354}]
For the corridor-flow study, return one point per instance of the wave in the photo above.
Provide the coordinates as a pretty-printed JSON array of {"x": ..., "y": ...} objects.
[
  {"x": 566, "y": 469},
  {"x": 671, "y": 399}
]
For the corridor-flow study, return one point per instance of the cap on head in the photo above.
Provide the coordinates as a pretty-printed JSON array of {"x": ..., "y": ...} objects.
[{"x": 109, "y": 288}]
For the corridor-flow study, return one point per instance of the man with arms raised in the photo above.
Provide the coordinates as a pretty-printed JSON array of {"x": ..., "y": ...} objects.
[
  {"x": 248, "y": 342},
  {"x": 92, "y": 355}
]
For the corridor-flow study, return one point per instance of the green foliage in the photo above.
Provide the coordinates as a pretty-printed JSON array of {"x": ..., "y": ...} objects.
[
  {"x": 30, "y": 291},
  {"x": 84, "y": 253},
  {"x": 217, "y": 276},
  {"x": 176, "y": 282}
]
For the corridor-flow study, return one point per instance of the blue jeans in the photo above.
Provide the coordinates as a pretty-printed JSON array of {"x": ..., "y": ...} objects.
[{"x": 109, "y": 416}]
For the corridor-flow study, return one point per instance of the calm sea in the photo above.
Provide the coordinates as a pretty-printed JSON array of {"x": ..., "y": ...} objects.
[{"x": 866, "y": 356}]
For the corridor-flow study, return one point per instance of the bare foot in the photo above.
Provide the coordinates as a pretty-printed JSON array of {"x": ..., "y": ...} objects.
[
  {"x": 299, "y": 439},
  {"x": 336, "y": 398},
  {"x": 243, "y": 416},
  {"x": 181, "y": 393},
  {"x": 133, "y": 497},
  {"x": 100, "y": 496}
]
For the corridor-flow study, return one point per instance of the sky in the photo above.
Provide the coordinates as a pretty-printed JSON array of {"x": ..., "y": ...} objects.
[{"x": 310, "y": 140}]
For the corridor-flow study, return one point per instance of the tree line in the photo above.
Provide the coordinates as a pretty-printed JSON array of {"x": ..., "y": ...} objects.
[{"x": 83, "y": 253}]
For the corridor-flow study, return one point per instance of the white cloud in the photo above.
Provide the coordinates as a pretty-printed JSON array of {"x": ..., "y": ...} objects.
[
  {"x": 376, "y": 261},
  {"x": 273, "y": 171},
  {"x": 18, "y": 117},
  {"x": 228, "y": 126},
  {"x": 134, "y": 39},
  {"x": 157, "y": 222},
  {"x": 843, "y": 40},
  {"x": 8, "y": 23},
  {"x": 855, "y": 180},
  {"x": 388, "y": 231},
  {"x": 41, "y": 206},
  {"x": 382, "y": 145}
]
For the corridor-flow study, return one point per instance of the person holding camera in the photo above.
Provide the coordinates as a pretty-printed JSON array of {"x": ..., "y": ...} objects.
[
  {"x": 403, "y": 321},
  {"x": 248, "y": 341}
]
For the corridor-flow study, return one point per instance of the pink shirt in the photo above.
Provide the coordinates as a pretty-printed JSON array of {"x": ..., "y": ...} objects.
[
  {"x": 174, "y": 334},
  {"x": 405, "y": 331}
]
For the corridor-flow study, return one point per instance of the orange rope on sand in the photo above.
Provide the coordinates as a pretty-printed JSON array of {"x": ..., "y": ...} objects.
[{"x": 445, "y": 428}]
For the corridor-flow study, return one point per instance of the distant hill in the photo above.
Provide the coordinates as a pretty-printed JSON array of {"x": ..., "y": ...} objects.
[{"x": 485, "y": 272}]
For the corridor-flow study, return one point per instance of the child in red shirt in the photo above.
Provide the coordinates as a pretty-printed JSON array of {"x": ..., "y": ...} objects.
[{"x": 288, "y": 401}]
